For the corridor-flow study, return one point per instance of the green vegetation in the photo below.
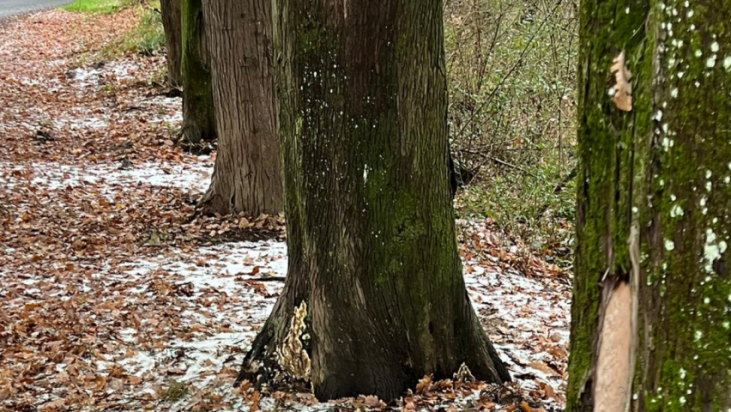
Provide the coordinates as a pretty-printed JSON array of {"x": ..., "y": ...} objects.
[
  {"x": 174, "y": 392},
  {"x": 512, "y": 70},
  {"x": 97, "y": 6},
  {"x": 146, "y": 38}
]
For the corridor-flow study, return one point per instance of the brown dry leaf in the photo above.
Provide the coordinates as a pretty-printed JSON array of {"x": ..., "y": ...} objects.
[
  {"x": 373, "y": 402},
  {"x": 423, "y": 385},
  {"x": 622, "y": 90},
  {"x": 542, "y": 367},
  {"x": 550, "y": 393},
  {"x": 255, "y": 398}
]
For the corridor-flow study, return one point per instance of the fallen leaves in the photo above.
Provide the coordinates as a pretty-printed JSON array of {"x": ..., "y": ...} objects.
[{"x": 113, "y": 288}]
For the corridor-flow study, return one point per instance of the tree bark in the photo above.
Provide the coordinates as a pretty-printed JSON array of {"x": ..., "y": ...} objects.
[
  {"x": 247, "y": 176},
  {"x": 198, "y": 112},
  {"x": 172, "y": 24},
  {"x": 373, "y": 258},
  {"x": 651, "y": 327}
]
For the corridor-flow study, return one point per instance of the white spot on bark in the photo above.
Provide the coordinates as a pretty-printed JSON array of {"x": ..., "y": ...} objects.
[
  {"x": 676, "y": 211},
  {"x": 712, "y": 250},
  {"x": 669, "y": 245}
]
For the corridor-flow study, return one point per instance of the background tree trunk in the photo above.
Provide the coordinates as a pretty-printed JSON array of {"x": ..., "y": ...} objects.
[
  {"x": 372, "y": 248},
  {"x": 650, "y": 318},
  {"x": 173, "y": 32},
  {"x": 247, "y": 175},
  {"x": 198, "y": 113}
]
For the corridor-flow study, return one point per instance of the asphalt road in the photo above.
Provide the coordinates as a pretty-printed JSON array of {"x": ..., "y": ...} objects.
[{"x": 10, "y": 7}]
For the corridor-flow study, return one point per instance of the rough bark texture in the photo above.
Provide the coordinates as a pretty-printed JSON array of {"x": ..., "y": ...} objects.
[
  {"x": 247, "y": 174},
  {"x": 654, "y": 208},
  {"x": 362, "y": 104},
  {"x": 173, "y": 33},
  {"x": 198, "y": 114}
]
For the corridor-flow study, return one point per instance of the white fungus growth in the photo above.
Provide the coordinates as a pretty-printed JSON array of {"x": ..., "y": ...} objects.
[
  {"x": 674, "y": 93},
  {"x": 715, "y": 47},
  {"x": 669, "y": 245},
  {"x": 727, "y": 63},
  {"x": 711, "y": 62}
]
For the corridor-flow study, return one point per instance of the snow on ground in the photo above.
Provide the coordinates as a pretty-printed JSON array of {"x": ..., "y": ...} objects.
[
  {"x": 113, "y": 178},
  {"x": 99, "y": 312},
  {"x": 219, "y": 305}
]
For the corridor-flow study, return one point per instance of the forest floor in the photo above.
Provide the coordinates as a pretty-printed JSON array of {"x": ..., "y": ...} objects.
[{"x": 116, "y": 296}]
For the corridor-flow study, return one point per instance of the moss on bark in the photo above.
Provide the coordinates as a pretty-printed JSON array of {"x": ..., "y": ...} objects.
[{"x": 662, "y": 168}]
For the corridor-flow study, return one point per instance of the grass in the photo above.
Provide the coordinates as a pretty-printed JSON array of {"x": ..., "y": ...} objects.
[
  {"x": 147, "y": 38},
  {"x": 174, "y": 392},
  {"x": 97, "y": 6}
]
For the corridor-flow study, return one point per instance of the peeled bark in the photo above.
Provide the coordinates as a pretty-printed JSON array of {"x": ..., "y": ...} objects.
[
  {"x": 172, "y": 24},
  {"x": 246, "y": 177},
  {"x": 651, "y": 328},
  {"x": 198, "y": 113},
  {"x": 373, "y": 258}
]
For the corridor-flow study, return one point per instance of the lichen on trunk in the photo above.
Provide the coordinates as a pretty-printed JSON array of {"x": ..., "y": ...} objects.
[
  {"x": 362, "y": 103},
  {"x": 653, "y": 204}
]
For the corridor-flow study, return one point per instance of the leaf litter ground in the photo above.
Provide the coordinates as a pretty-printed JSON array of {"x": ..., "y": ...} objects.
[{"x": 116, "y": 296}]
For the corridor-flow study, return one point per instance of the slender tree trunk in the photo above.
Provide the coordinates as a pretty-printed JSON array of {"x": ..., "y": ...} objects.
[
  {"x": 247, "y": 175},
  {"x": 173, "y": 32},
  {"x": 651, "y": 326},
  {"x": 374, "y": 298},
  {"x": 198, "y": 113}
]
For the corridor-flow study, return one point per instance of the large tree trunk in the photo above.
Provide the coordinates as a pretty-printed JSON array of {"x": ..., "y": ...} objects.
[
  {"x": 246, "y": 177},
  {"x": 198, "y": 114},
  {"x": 173, "y": 32},
  {"x": 651, "y": 328},
  {"x": 373, "y": 259}
]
